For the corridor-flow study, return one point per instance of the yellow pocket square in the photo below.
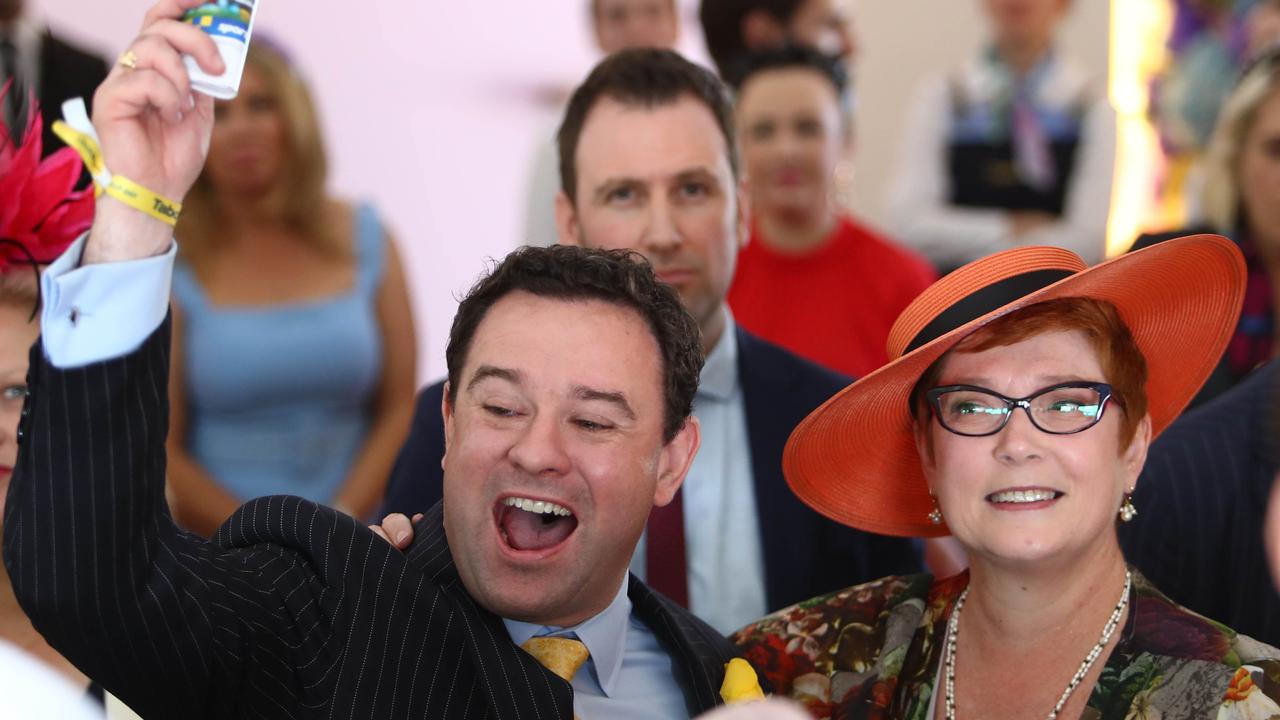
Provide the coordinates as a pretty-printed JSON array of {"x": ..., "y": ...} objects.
[{"x": 740, "y": 682}]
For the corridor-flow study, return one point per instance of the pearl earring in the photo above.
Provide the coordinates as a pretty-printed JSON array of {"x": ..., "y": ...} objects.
[{"x": 1127, "y": 510}]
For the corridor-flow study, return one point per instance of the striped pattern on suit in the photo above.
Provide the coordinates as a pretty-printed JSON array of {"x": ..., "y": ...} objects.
[
  {"x": 293, "y": 610},
  {"x": 1201, "y": 501}
]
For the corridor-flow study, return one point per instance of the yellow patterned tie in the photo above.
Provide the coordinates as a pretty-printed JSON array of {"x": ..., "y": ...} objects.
[{"x": 562, "y": 656}]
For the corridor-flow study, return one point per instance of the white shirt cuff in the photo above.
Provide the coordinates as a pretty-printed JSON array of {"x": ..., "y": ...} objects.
[{"x": 102, "y": 311}]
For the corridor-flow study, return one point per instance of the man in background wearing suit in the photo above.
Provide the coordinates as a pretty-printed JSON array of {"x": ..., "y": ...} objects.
[
  {"x": 567, "y": 416},
  {"x": 648, "y": 163},
  {"x": 1202, "y": 499},
  {"x": 35, "y": 59}
]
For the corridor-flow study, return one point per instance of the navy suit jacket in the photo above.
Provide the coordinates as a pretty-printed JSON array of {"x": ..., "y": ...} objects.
[
  {"x": 805, "y": 554},
  {"x": 1201, "y": 500}
]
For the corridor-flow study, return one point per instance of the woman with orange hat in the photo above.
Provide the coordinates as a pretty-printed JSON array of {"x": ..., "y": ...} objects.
[{"x": 1016, "y": 417}]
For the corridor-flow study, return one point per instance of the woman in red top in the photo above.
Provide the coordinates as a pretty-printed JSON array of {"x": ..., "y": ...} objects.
[{"x": 811, "y": 279}]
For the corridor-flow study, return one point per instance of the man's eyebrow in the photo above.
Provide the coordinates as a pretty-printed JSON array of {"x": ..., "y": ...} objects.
[
  {"x": 697, "y": 173},
  {"x": 611, "y": 184},
  {"x": 617, "y": 399},
  {"x": 484, "y": 372}
]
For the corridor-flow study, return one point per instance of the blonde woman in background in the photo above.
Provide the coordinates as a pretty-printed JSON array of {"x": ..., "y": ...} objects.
[
  {"x": 294, "y": 353},
  {"x": 1241, "y": 199}
]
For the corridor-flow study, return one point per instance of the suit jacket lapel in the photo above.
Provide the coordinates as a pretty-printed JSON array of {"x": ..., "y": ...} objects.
[
  {"x": 698, "y": 666},
  {"x": 515, "y": 684}
]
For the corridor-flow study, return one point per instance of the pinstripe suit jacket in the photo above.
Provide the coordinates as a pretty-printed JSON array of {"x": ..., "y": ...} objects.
[
  {"x": 293, "y": 610},
  {"x": 1201, "y": 503}
]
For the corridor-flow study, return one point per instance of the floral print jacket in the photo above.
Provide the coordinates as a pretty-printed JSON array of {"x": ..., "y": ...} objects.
[{"x": 872, "y": 651}]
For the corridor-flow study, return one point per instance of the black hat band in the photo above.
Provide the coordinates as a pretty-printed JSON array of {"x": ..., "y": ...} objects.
[{"x": 984, "y": 300}]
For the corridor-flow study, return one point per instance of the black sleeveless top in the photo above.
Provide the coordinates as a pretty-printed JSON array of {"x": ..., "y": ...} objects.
[{"x": 983, "y": 173}]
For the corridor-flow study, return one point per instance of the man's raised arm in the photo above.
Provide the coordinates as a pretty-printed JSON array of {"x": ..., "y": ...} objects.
[
  {"x": 154, "y": 130},
  {"x": 158, "y": 617}
]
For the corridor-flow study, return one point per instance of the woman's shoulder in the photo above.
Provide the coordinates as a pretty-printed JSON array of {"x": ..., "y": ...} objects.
[
  {"x": 850, "y": 630},
  {"x": 361, "y": 237},
  {"x": 858, "y": 601},
  {"x": 1176, "y": 659},
  {"x": 1162, "y": 627}
]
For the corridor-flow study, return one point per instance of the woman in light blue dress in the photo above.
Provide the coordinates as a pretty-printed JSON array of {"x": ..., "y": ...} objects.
[{"x": 294, "y": 345}]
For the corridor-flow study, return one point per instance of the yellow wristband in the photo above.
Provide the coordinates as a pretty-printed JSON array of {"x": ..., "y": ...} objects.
[
  {"x": 139, "y": 198},
  {"x": 123, "y": 189},
  {"x": 83, "y": 144}
]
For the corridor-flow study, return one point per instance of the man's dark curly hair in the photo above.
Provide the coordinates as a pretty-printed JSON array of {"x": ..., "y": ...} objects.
[{"x": 621, "y": 277}]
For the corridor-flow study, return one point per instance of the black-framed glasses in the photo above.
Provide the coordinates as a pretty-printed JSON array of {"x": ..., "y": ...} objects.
[{"x": 1061, "y": 409}]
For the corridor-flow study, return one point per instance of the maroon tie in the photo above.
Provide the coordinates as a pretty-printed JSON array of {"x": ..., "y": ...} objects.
[{"x": 665, "y": 568}]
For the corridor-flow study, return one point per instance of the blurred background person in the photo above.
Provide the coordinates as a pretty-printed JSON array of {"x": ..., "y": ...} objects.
[
  {"x": 1209, "y": 42},
  {"x": 1015, "y": 148},
  {"x": 1262, "y": 27},
  {"x": 1202, "y": 501},
  {"x": 623, "y": 24},
  {"x": 616, "y": 25},
  {"x": 1241, "y": 199},
  {"x": 294, "y": 348},
  {"x": 39, "y": 63},
  {"x": 811, "y": 278},
  {"x": 733, "y": 29}
]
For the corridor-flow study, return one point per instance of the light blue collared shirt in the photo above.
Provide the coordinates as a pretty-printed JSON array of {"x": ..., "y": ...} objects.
[
  {"x": 628, "y": 674},
  {"x": 104, "y": 311},
  {"x": 721, "y": 522}
]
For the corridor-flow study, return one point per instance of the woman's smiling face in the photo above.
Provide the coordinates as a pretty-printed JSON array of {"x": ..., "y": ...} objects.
[{"x": 1021, "y": 494}]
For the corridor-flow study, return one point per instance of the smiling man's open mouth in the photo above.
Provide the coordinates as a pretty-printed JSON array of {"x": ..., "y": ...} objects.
[{"x": 533, "y": 525}]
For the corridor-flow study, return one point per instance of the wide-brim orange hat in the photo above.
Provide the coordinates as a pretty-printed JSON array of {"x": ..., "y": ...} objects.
[{"x": 854, "y": 459}]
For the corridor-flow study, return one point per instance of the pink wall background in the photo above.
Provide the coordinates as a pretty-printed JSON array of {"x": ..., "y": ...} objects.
[{"x": 432, "y": 111}]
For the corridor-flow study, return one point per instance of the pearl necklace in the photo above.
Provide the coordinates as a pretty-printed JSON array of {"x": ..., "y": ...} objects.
[{"x": 953, "y": 629}]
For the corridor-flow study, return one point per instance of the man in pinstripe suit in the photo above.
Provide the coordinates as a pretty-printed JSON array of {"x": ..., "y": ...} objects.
[
  {"x": 1201, "y": 501},
  {"x": 572, "y": 375}
]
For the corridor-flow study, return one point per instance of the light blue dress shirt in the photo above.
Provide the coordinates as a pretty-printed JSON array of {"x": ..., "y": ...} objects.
[
  {"x": 100, "y": 312},
  {"x": 721, "y": 522},
  {"x": 628, "y": 674}
]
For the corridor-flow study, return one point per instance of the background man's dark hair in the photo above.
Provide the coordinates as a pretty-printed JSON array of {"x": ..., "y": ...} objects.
[
  {"x": 620, "y": 277},
  {"x": 789, "y": 57},
  {"x": 646, "y": 78},
  {"x": 722, "y": 27}
]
